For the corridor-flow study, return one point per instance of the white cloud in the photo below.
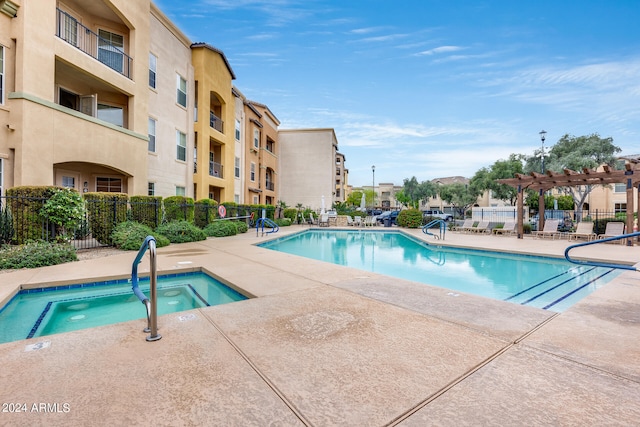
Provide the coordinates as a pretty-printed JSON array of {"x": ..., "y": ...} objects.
[{"x": 441, "y": 49}]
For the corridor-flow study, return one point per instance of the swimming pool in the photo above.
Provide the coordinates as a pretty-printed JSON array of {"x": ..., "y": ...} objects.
[
  {"x": 543, "y": 282},
  {"x": 44, "y": 311}
]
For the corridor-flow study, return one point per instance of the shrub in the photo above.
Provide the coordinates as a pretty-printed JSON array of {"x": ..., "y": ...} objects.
[
  {"x": 146, "y": 210},
  {"x": 129, "y": 236},
  {"x": 6, "y": 225},
  {"x": 36, "y": 254},
  {"x": 283, "y": 222},
  {"x": 178, "y": 208},
  {"x": 410, "y": 218},
  {"x": 206, "y": 211},
  {"x": 25, "y": 204},
  {"x": 65, "y": 208},
  {"x": 181, "y": 232},
  {"x": 221, "y": 229},
  {"x": 241, "y": 226},
  {"x": 290, "y": 213}
]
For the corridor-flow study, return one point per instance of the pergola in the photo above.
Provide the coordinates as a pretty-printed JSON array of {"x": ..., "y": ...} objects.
[{"x": 543, "y": 182}]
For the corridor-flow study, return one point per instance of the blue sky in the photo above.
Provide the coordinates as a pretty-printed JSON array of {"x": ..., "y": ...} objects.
[{"x": 432, "y": 88}]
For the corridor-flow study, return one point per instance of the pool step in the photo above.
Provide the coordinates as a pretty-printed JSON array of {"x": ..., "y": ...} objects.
[{"x": 554, "y": 293}]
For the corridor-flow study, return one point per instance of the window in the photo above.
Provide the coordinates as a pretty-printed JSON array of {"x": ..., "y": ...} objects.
[
  {"x": 1, "y": 176},
  {"x": 111, "y": 114},
  {"x": 153, "y": 63},
  {"x": 237, "y": 130},
  {"x": 68, "y": 182},
  {"x": 253, "y": 172},
  {"x": 256, "y": 200},
  {"x": 182, "y": 91},
  {"x": 256, "y": 138},
  {"x": 237, "y": 167},
  {"x": 109, "y": 185},
  {"x": 181, "y": 145},
  {"x": 620, "y": 188},
  {"x": 1, "y": 75},
  {"x": 620, "y": 207},
  {"x": 236, "y": 198},
  {"x": 180, "y": 191},
  {"x": 151, "y": 191},
  {"x": 152, "y": 135},
  {"x": 111, "y": 49}
]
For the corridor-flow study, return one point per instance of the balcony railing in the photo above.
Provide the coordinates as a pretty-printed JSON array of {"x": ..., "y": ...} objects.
[
  {"x": 215, "y": 122},
  {"x": 269, "y": 186},
  {"x": 215, "y": 169},
  {"x": 70, "y": 30}
]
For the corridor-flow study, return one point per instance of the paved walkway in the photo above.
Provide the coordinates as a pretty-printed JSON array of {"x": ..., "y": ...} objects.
[{"x": 326, "y": 345}]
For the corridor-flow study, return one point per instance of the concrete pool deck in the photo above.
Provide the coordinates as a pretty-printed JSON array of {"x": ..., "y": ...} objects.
[{"x": 327, "y": 345}]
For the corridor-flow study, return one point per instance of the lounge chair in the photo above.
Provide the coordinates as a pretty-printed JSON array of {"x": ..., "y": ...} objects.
[
  {"x": 550, "y": 229},
  {"x": 369, "y": 221},
  {"x": 349, "y": 221},
  {"x": 482, "y": 227},
  {"x": 613, "y": 229},
  {"x": 468, "y": 223},
  {"x": 508, "y": 229},
  {"x": 357, "y": 220},
  {"x": 323, "y": 221},
  {"x": 584, "y": 230},
  {"x": 311, "y": 220}
]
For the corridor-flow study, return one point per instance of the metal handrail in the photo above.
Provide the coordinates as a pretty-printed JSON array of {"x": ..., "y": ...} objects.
[
  {"x": 597, "y": 263},
  {"x": 261, "y": 223},
  {"x": 443, "y": 228},
  {"x": 151, "y": 303}
]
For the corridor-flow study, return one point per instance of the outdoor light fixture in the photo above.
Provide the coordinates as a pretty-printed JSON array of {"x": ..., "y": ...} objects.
[{"x": 543, "y": 134}]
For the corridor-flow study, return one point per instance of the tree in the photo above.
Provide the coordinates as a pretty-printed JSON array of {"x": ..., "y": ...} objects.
[
  {"x": 413, "y": 192},
  {"x": 460, "y": 196},
  {"x": 577, "y": 153},
  {"x": 486, "y": 178}
]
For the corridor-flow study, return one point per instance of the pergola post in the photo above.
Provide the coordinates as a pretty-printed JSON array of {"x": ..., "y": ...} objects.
[
  {"x": 541, "y": 210},
  {"x": 520, "y": 211},
  {"x": 630, "y": 209}
]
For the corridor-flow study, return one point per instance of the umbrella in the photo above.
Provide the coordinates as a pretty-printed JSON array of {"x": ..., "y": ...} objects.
[
  {"x": 363, "y": 203},
  {"x": 322, "y": 205}
]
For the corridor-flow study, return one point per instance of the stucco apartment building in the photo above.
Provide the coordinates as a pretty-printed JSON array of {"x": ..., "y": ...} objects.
[
  {"x": 309, "y": 168},
  {"x": 109, "y": 95},
  {"x": 94, "y": 97}
]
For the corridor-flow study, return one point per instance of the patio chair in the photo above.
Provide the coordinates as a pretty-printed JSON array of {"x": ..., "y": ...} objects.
[
  {"x": 349, "y": 221},
  {"x": 613, "y": 229},
  {"x": 311, "y": 220},
  {"x": 508, "y": 229},
  {"x": 357, "y": 220},
  {"x": 369, "y": 221},
  {"x": 468, "y": 223},
  {"x": 550, "y": 229},
  {"x": 323, "y": 221},
  {"x": 482, "y": 227},
  {"x": 584, "y": 230}
]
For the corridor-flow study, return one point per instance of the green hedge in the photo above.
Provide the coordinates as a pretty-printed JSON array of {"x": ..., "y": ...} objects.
[
  {"x": 181, "y": 232},
  {"x": 206, "y": 211},
  {"x": 130, "y": 235},
  {"x": 36, "y": 254},
  {"x": 146, "y": 210},
  {"x": 221, "y": 229},
  {"x": 178, "y": 208},
  {"x": 26, "y": 204},
  {"x": 106, "y": 210}
]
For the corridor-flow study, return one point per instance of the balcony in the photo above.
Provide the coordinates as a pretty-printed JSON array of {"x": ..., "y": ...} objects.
[
  {"x": 73, "y": 32},
  {"x": 215, "y": 122},
  {"x": 269, "y": 185},
  {"x": 215, "y": 169}
]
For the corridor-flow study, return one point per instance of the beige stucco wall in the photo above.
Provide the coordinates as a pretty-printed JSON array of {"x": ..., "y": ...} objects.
[
  {"x": 173, "y": 51},
  {"x": 307, "y": 166},
  {"x": 213, "y": 76}
]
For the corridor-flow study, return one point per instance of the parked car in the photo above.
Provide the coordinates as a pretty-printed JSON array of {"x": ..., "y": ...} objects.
[
  {"x": 566, "y": 223},
  {"x": 437, "y": 213},
  {"x": 392, "y": 215}
]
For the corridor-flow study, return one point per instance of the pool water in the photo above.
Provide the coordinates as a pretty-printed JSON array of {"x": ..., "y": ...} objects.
[
  {"x": 543, "y": 282},
  {"x": 46, "y": 311}
]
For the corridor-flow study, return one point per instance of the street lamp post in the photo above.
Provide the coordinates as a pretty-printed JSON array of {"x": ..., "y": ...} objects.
[
  {"x": 373, "y": 187},
  {"x": 543, "y": 134}
]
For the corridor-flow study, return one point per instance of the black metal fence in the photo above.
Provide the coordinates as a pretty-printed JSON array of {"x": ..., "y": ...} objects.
[{"x": 21, "y": 219}]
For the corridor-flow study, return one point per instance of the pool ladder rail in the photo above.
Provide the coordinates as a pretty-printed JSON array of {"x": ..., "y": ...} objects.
[
  {"x": 442, "y": 225},
  {"x": 601, "y": 264},
  {"x": 151, "y": 303},
  {"x": 261, "y": 222}
]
